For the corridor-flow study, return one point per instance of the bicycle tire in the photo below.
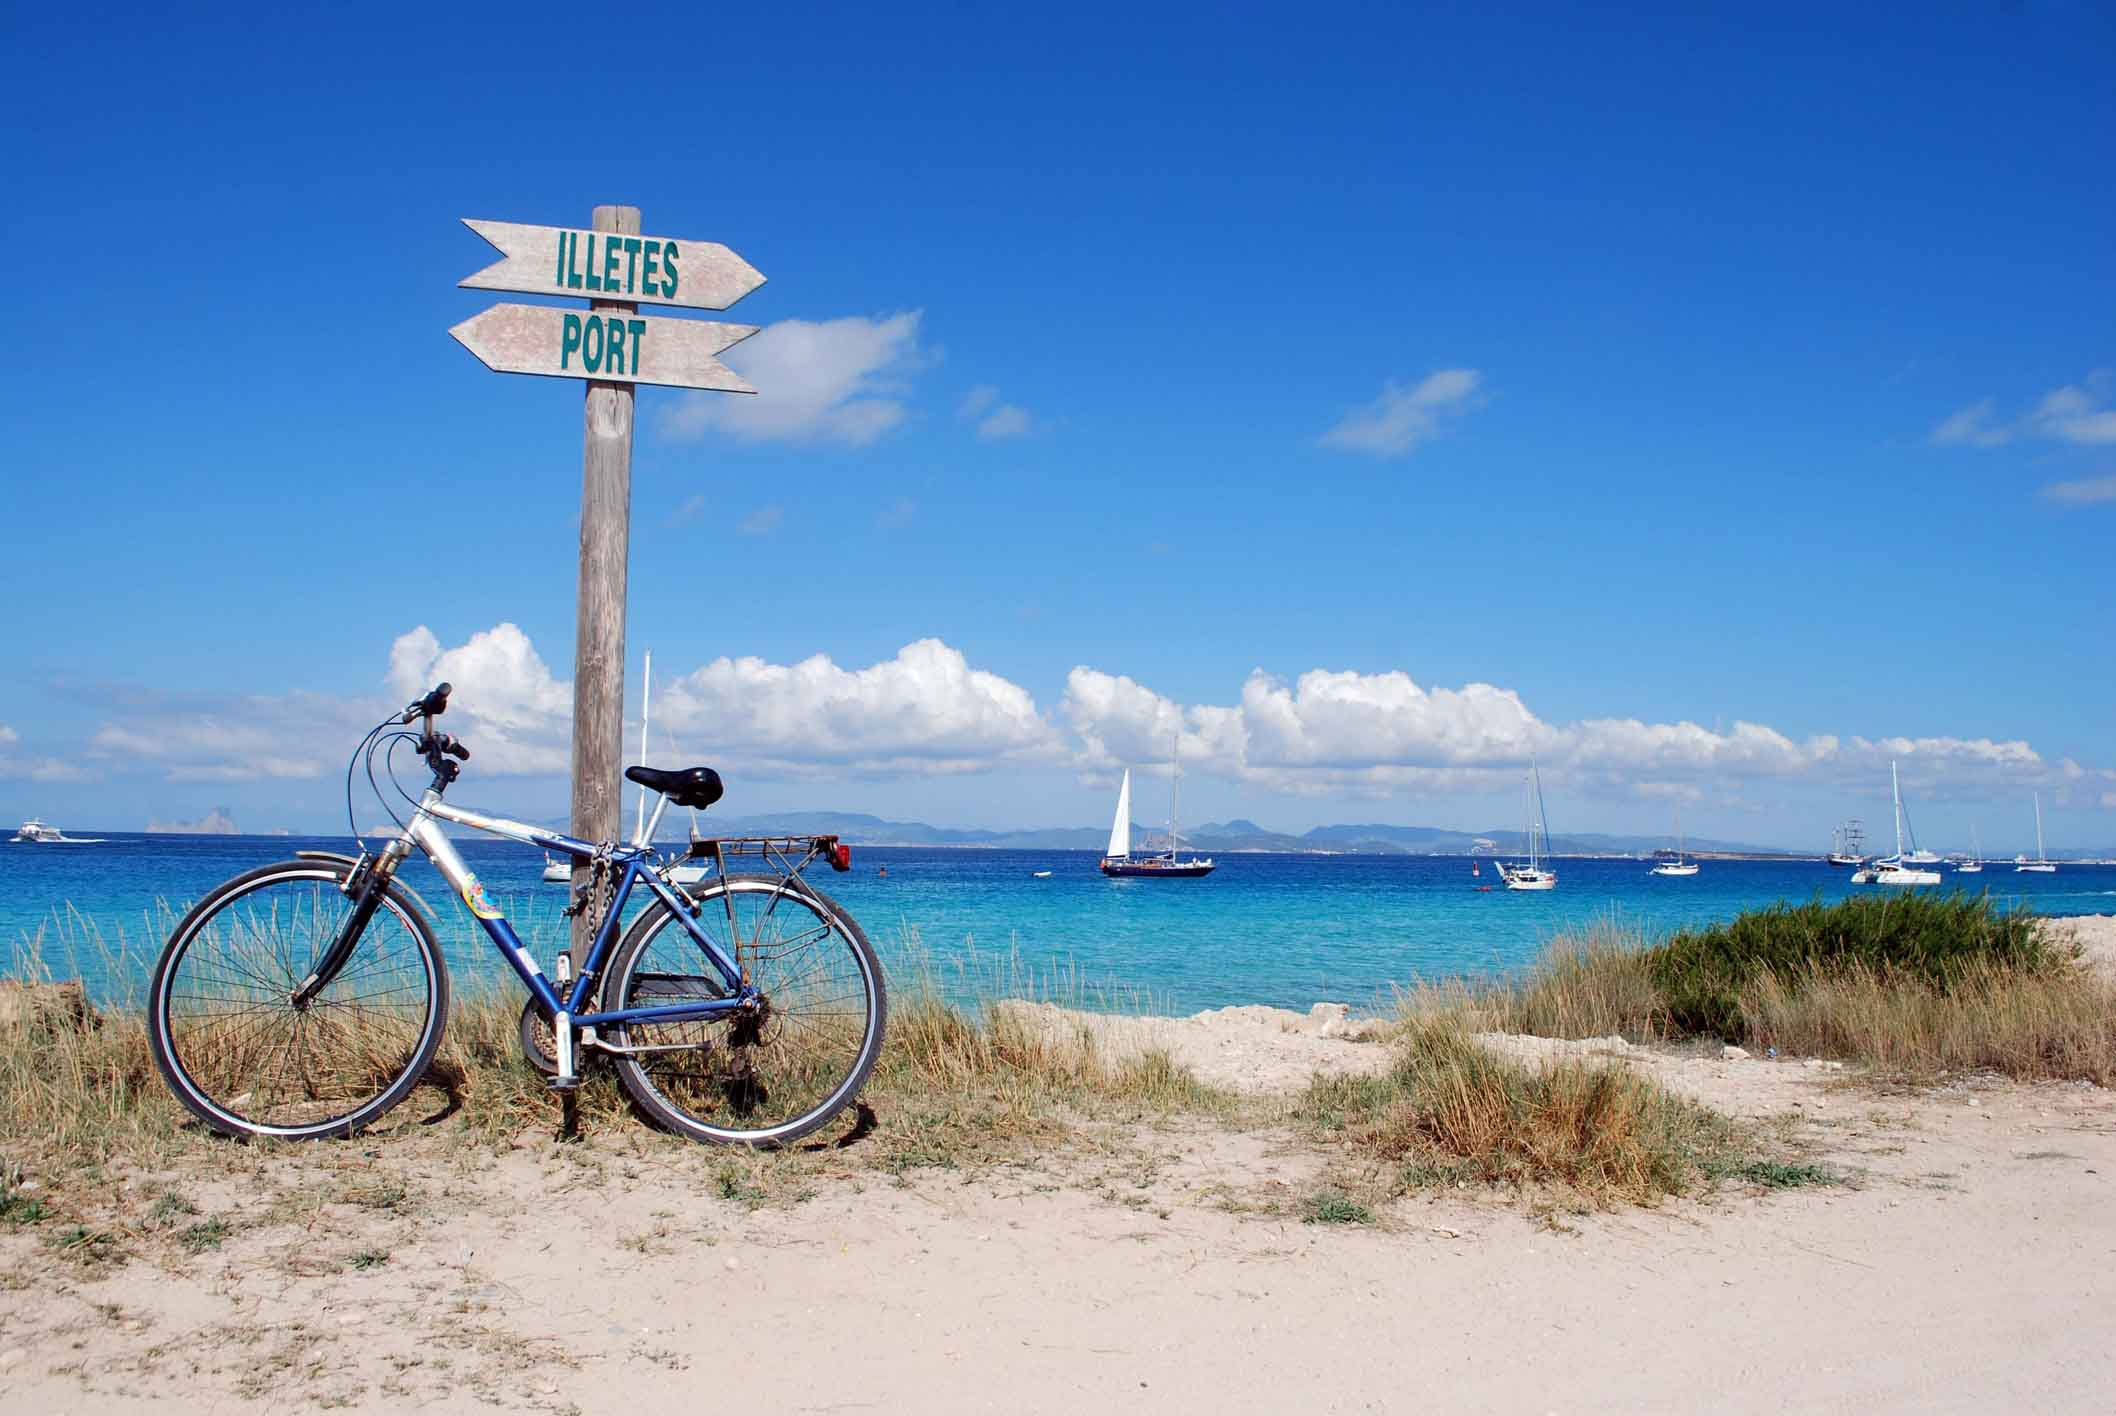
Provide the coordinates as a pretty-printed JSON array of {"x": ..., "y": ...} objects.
[
  {"x": 723, "y": 1094},
  {"x": 391, "y": 1045}
]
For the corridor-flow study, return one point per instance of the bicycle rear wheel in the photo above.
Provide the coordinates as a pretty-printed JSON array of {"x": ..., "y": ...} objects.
[
  {"x": 233, "y": 1046},
  {"x": 770, "y": 1077}
]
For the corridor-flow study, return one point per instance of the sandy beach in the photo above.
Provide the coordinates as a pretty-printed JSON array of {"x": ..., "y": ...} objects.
[{"x": 1963, "y": 1264}]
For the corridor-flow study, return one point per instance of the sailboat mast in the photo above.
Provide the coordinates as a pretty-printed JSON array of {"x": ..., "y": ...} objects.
[
  {"x": 646, "y": 689},
  {"x": 2039, "y": 855},
  {"x": 1175, "y": 782},
  {"x": 1895, "y": 786}
]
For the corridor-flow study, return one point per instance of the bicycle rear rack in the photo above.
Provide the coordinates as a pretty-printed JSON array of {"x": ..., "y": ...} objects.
[{"x": 777, "y": 850}]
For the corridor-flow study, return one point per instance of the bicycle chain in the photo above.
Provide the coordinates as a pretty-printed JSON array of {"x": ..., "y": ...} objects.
[{"x": 597, "y": 893}]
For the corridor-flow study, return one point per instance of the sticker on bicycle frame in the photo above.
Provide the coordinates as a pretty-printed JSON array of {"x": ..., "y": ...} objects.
[{"x": 474, "y": 896}]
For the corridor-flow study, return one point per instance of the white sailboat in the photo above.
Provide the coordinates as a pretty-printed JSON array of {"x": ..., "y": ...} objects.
[
  {"x": 1892, "y": 870},
  {"x": 1974, "y": 864},
  {"x": 2042, "y": 864},
  {"x": 1118, "y": 859},
  {"x": 1532, "y": 874},
  {"x": 1677, "y": 866}
]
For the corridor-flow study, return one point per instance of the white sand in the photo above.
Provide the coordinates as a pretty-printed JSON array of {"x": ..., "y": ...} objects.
[{"x": 2095, "y": 934}]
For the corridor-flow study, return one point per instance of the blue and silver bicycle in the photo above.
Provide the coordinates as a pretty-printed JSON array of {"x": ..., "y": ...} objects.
[{"x": 306, "y": 998}]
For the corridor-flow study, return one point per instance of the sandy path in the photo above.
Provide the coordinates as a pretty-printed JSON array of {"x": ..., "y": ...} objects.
[{"x": 1971, "y": 1267}]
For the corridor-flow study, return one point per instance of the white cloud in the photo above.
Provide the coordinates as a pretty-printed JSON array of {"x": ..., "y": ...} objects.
[
  {"x": 1971, "y": 427},
  {"x": 8, "y": 736},
  {"x": 1008, "y": 420},
  {"x": 1403, "y": 417},
  {"x": 2076, "y": 413},
  {"x": 763, "y": 521},
  {"x": 928, "y": 711},
  {"x": 1333, "y": 732},
  {"x": 506, "y": 704},
  {"x": 2084, "y": 492},
  {"x": 692, "y": 505},
  {"x": 995, "y": 420},
  {"x": 832, "y": 381},
  {"x": 924, "y": 711}
]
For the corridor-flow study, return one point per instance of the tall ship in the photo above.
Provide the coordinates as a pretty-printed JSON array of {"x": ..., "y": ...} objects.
[
  {"x": 1170, "y": 865},
  {"x": 1847, "y": 844},
  {"x": 1533, "y": 873},
  {"x": 1900, "y": 868}
]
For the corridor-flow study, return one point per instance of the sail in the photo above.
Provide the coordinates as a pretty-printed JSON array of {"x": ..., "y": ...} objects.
[{"x": 1120, "y": 829}]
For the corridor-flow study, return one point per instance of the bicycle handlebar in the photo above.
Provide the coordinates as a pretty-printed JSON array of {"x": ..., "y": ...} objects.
[{"x": 433, "y": 705}]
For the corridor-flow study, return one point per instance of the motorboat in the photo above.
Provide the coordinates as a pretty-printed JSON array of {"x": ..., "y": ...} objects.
[{"x": 38, "y": 833}]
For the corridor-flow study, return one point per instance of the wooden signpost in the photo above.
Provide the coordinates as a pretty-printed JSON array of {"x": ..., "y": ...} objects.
[
  {"x": 613, "y": 347},
  {"x": 541, "y": 339}
]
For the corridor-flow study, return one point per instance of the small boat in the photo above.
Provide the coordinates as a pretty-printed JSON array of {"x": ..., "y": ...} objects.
[
  {"x": 1895, "y": 869},
  {"x": 1677, "y": 866},
  {"x": 1531, "y": 874},
  {"x": 2042, "y": 864},
  {"x": 1973, "y": 863},
  {"x": 37, "y": 833},
  {"x": 1118, "y": 861},
  {"x": 1848, "y": 844},
  {"x": 1039, "y": 875},
  {"x": 556, "y": 871}
]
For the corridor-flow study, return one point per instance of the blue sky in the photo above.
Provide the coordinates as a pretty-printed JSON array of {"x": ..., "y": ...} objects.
[{"x": 1271, "y": 379}]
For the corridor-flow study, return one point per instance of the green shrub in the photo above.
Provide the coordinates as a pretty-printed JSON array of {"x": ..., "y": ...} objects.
[{"x": 1702, "y": 973}]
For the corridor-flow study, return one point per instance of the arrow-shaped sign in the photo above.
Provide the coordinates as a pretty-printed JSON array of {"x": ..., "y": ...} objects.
[
  {"x": 611, "y": 345},
  {"x": 604, "y": 265}
]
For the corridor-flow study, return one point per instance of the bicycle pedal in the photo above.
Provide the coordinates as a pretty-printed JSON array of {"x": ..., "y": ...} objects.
[{"x": 562, "y": 1084}]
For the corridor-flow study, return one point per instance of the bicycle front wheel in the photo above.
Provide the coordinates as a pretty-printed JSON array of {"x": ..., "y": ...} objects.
[
  {"x": 767, "y": 1077},
  {"x": 236, "y": 1049}
]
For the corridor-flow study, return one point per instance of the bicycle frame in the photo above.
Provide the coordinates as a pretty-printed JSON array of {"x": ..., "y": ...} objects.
[{"x": 633, "y": 863}]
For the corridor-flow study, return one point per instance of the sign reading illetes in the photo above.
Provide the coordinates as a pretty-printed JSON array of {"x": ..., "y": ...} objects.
[{"x": 612, "y": 345}]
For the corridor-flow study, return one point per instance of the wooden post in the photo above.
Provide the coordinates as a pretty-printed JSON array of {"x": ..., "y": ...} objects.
[{"x": 599, "y": 617}]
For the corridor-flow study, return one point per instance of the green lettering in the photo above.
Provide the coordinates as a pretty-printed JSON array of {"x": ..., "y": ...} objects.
[
  {"x": 668, "y": 270},
  {"x": 593, "y": 282},
  {"x": 573, "y": 260},
  {"x": 568, "y": 340},
  {"x": 646, "y": 279},
  {"x": 639, "y": 337},
  {"x": 631, "y": 264},
  {"x": 616, "y": 361},
  {"x": 560, "y": 278},
  {"x": 610, "y": 252},
  {"x": 591, "y": 344}
]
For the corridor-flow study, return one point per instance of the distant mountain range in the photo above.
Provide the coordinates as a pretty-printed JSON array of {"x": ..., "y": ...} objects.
[{"x": 1224, "y": 836}]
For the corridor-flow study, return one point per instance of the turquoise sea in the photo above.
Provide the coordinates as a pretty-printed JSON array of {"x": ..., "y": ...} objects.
[{"x": 1280, "y": 929}]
